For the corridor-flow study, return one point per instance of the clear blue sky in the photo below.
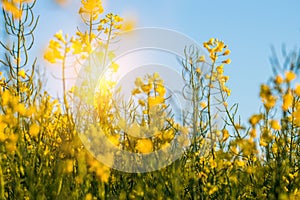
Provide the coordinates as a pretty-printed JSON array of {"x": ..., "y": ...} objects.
[{"x": 248, "y": 27}]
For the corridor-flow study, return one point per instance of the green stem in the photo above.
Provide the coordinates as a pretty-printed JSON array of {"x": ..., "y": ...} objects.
[
  {"x": 209, "y": 106},
  {"x": 107, "y": 44},
  {"x": 2, "y": 182},
  {"x": 19, "y": 50}
]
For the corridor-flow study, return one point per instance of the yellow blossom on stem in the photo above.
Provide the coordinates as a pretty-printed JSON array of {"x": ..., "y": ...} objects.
[
  {"x": 14, "y": 7},
  {"x": 255, "y": 119},
  {"x": 203, "y": 104},
  {"x": 22, "y": 73},
  {"x": 226, "y": 52},
  {"x": 262, "y": 143},
  {"x": 89, "y": 196},
  {"x": 114, "y": 66},
  {"x": 211, "y": 41},
  {"x": 267, "y": 98},
  {"x": 168, "y": 135},
  {"x": 296, "y": 116},
  {"x": 59, "y": 36},
  {"x": 201, "y": 59},
  {"x": 153, "y": 101},
  {"x": 34, "y": 130},
  {"x": 135, "y": 91},
  {"x": 252, "y": 133},
  {"x": 212, "y": 163},
  {"x": 220, "y": 69},
  {"x": 141, "y": 102},
  {"x": 53, "y": 52},
  {"x": 91, "y": 7},
  {"x": 144, "y": 146},
  {"x": 69, "y": 166},
  {"x": 138, "y": 82},
  {"x": 275, "y": 125},
  {"x": 290, "y": 76},
  {"x": 225, "y": 134},
  {"x": 287, "y": 101},
  {"x": 160, "y": 89},
  {"x": 270, "y": 102},
  {"x": 198, "y": 70},
  {"x": 297, "y": 90},
  {"x": 146, "y": 88},
  {"x": 278, "y": 79},
  {"x": 228, "y": 61}
]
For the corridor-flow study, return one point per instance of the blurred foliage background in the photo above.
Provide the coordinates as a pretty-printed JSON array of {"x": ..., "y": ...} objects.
[{"x": 46, "y": 141}]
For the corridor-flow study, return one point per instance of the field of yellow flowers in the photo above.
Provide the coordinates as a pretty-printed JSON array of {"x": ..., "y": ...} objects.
[{"x": 47, "y": 145}]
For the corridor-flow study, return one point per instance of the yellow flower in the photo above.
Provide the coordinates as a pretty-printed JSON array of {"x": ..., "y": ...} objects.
[
  {"x": 114, "y": 66},
  {"x": 269, "y": 102},
  {"x": 227, "y": 90},
  {"x": 22, "y": 73},
  {"x": 297, "y": 90},
  {"x": 12, "y": 7},
  {"x": 223, "y": 79},
  {"x": 114, "y": 139},
  {"x": 141, "y": 102},
  {"x": 252, "y": 133},
  {"x": 212, "y": 163},
  {"x": 220, "y": 69},
  {"x": 59, "y": 36},
  {"x": 226, "y": 52},
  {"x": 89, "y": 196},
  {"x": 287, "y": 101},
  {"x": 53, "y": 52},
  {"x": 146, "y": 88},
  {"x": 296, "y": 115},
  {"x": 201, "y": 59},
  {"x": 138, "y": 82},
  {"x": 228, "y": 61},
  {"x": 91, "y": 7},
  {"x": 219, "y": 47},
  {"x": 144, "y": 146},
  {"x": 274, "y": 148},
  {"x": 11, "y": 147},
  {"x": 69, "y": 166},
  {"x": 240, "y": 163},
  {"x": 278, "y": 79},
  {"x": 211, "y": 41},
  {"x": 21, "y": 109},
  {"x": 290, "y": 76},
  {"x": 203, "y": 104},
  {"x": 213, "y": 56},
  {"x": 34, "y": 130},
  {"x": 161, "y": 90},
  {"x": 264, "y": 91},
  {"x": 168, "y": 135},
  {"x": 255, "y": 119},
  {"x": 225, "y": 104},
  {"x": 198, "y": 70},
  {"x": 3, "y": 137},
  {"x": 76, "y": 46},
  {"x": 135, "y": 91},
  {"x": 117, "y": 18},
  {"x": 6, "y": 97},
  {"x": 263, "y": 141},
  {"x": 225, "y": 134},
  {"x": 275, "y": 125},
  {"x": 153, "y": 101},
  {"x": 205, "y": 45}
]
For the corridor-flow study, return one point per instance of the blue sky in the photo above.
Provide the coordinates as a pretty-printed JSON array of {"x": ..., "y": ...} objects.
[{"x": 248, "y": 27}]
